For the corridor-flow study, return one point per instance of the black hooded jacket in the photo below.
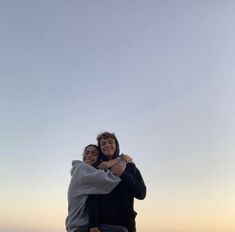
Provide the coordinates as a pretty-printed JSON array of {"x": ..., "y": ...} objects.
[{"x": 117, "y": 208}]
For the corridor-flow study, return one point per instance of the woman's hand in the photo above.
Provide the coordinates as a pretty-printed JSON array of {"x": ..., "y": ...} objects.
[
  {"x": 107, "y": 164},
  {"x": 94, "y": 229},
  {"x": 127, "y": 158}
]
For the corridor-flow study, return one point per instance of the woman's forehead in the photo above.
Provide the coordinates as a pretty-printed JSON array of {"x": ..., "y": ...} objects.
[{"x": 91, "y": 148}]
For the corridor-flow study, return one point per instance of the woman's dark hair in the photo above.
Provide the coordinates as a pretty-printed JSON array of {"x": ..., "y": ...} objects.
[{"x": 99, "y": 154}]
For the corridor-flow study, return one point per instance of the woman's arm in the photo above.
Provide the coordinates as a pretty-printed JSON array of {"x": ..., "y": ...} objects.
[
  {"x": 89, "y": 180},
  {"x": 109, "y": 164}
]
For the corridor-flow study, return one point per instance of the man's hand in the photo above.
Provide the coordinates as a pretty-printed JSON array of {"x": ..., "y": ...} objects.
[
  {"x": 117, "y": 169},
  {"x": 94, "y": 229}
]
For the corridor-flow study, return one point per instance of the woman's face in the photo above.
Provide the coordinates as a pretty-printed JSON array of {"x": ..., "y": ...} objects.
[
  {"x": 108, "y": 147},
  {"x": 90, "y": 155}
]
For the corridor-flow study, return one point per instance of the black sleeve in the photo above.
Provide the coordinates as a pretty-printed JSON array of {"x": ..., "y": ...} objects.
[
  {"x": 134, "y": 181},
  {"x": 92, "y": 205}
]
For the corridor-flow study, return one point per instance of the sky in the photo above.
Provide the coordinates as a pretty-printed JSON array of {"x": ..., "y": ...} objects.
[{"x": 159, "y": 74}]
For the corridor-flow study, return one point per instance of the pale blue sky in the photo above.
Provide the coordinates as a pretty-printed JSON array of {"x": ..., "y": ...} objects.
[{"x": 160, "y": 74}]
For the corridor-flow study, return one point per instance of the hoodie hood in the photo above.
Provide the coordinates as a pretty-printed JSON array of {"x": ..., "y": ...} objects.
[{"x": 75, "y": 163}]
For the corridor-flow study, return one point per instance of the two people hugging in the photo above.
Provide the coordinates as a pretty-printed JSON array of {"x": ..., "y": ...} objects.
[{"x": 102, "y": 189}]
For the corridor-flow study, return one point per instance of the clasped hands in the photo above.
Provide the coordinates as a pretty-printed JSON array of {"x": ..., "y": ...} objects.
[{"x": 116, "y": 167}]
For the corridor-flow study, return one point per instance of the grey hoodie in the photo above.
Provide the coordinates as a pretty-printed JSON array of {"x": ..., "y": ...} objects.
[{"x": 85, "y": 180}]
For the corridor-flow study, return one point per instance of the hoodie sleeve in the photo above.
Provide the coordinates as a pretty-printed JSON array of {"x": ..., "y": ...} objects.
[
  {"x": 134, "y": 181},
  {"x": 90, "y": 180}
]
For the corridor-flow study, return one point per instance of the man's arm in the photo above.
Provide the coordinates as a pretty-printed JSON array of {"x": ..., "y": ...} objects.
[
  {"x": 133, "y": 181},
  {"x": 92, "y": 205}
]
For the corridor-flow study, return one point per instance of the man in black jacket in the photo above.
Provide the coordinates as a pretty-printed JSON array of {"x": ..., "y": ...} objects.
[{"x": 116, "y": 208}]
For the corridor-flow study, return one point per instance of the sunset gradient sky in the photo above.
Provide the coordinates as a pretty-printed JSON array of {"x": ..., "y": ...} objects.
[{"x": 160, "y": 74}]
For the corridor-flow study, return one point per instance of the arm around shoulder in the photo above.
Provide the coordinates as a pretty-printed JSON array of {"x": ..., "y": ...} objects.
[{"x": 99, "y": 181}]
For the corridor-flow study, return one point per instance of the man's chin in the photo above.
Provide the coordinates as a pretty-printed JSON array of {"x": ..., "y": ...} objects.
[{"x": 108, "y": 155}]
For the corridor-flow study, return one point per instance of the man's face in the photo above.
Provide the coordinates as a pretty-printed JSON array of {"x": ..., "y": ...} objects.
[
  {"x": 90, "y": 155},
  {"x": 108, "y": 147}
]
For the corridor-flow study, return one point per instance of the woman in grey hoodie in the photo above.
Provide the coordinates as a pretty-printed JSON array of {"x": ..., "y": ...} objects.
[{"x": 87, "y": 179}]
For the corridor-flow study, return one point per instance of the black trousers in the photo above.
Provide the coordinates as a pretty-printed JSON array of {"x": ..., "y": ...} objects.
[{"x": 105, "y": 228}]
